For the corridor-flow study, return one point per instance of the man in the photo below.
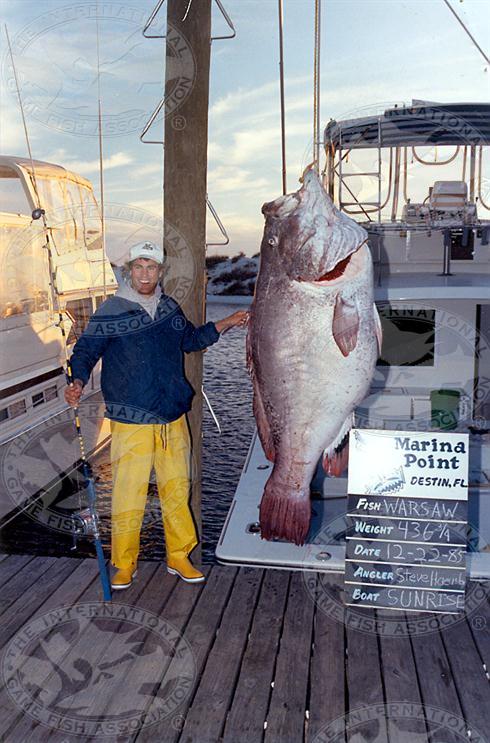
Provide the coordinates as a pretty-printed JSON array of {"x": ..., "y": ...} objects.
[{"x": 141, "y": 334}]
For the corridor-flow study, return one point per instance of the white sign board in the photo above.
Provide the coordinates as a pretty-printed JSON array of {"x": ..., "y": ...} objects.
[
  {"x": 421, "y": 465},
  {"x": 407, "y": 520}
]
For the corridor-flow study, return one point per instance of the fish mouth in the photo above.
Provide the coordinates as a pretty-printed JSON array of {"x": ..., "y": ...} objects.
[{"x": 351, "y": 264}]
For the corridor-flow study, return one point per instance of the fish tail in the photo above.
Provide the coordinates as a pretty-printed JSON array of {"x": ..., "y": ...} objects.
[{"x": 284, "y": 517}]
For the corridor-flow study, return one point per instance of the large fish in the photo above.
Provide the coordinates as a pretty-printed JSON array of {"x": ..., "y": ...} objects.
[{"x": 312, "y": 345}]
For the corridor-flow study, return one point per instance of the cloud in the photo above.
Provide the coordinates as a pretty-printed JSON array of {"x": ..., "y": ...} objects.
[{"x": 84, "y": 167}]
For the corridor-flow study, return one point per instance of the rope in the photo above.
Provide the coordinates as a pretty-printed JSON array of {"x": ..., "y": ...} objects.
[
  {"x": 316, "y": 85},
  {"x": 487, "y": 60},
  {"x": 187, "y": 10}
]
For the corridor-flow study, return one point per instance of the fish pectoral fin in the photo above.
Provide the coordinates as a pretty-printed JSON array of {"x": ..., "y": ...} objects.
[
  {"x": 378, "y": 328},
  {"x": 345, "y": 325}
]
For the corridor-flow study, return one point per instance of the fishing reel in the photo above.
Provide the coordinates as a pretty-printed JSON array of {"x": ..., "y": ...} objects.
[{"x": 85, "y": 523}]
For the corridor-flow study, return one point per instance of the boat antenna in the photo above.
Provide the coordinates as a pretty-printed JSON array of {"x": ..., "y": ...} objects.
[
  {"x": 487, "y": 60},
  {"x": 101, "y": 154},
  {"x": 316, "y": 86},
  {"x": 24, "y": 123},
  {"x": 281, "y": 84},
  {"x": 90, "y": 520}
]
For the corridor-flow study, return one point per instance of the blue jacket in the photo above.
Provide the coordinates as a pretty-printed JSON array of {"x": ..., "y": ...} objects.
[{"x": 143, "y": 378}]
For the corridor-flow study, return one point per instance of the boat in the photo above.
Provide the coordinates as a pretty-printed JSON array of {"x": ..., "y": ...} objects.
[
  {"x": 38, "y": 440},
  {"x": 413, "y": 176}
]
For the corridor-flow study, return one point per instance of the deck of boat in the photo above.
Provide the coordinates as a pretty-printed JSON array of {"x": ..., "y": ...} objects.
[{"x": 269, "y": 663}]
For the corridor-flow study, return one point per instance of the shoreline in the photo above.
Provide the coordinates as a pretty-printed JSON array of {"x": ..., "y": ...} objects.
[{"x": 229, "y": 299}]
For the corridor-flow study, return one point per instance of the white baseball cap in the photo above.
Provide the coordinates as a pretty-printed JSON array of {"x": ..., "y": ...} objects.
[{"x": 146, "y": 250}]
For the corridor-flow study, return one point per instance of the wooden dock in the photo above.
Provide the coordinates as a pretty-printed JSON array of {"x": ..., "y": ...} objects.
[{"x": 253, "y": 655}]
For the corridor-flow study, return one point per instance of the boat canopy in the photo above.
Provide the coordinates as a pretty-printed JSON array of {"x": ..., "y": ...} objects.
[
  {"x": 42, "y": 169},
  {"x": 418, "y": 125}
]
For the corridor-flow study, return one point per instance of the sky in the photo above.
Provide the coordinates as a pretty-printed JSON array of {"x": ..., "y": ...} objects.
[{"x": 374, "y": 53}]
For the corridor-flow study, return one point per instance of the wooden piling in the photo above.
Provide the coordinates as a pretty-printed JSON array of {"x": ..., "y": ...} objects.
[{"x": 185, "y": 172}]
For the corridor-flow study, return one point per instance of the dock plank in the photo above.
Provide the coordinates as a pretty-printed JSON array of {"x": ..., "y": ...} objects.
[
  {"x": 327, "y": 672},
  {"x": 11, "y": 565},
  {"x": 248, "y": 710},
  {"x": 473, "y": 688},
  {"x": 401, "y": 687},
  {"x": 206, "y": 717},
  {"x": 364, "y": 681},
  {"x": 437, "y": 684},
  {"x": 22, "y": 609},
  {"x": 171, "y": 601},
  {"x": 480, "y": 627},
  {"x": 286, "y": 715},
  {"x": 200, "y": 633},
  {"x": 69, "y": 579},
  {"x": 89, "y": 655},
  {"x": 26, "y": 577},
  {"x": 249, "y": 627}
]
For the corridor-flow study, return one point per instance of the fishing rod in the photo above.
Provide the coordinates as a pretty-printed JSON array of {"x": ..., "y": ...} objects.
[{"x": 87, "y": 520}]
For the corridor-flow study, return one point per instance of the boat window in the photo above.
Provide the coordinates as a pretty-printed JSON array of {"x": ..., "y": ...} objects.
[
  {"x": 4, "y": 414},
  {"x": 24, "y": 276},
  {"x": 408, "y": 336},
  {"x": 12, "y": 195},
  {"x": 17, "y": 408},
  {"x": 37, "y": 399},
  {"x": 60, "y": 212},
  {"x": 92, "y": 219},
  {"x": 50, "y": 393},
  {"x": 79, "y": 311}
]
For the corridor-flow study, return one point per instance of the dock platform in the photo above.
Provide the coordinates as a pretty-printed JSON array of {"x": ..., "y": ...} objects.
[{"x": 250, "y": 656}]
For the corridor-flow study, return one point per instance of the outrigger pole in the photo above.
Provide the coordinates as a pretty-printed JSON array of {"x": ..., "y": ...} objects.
[{"x": 88, "y": 518}]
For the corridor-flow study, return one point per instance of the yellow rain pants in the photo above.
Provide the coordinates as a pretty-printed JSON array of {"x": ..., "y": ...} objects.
[{"x": 135, "y": 449}]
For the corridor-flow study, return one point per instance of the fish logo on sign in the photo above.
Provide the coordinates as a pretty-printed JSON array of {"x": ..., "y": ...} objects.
[{"x": 388, "y": 484}]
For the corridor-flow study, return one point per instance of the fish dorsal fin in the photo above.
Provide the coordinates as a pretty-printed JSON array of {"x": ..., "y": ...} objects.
[{"x": 345, "y": 325}]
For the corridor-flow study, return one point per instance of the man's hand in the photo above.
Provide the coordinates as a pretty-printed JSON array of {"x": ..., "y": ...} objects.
[
  {"x": 73, "y": 393},
  {"x": 238, "y": 320}
]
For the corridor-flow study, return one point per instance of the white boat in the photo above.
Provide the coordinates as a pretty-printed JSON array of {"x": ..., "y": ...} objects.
[
  {"x": 38, "y": 443},
  {"x": 429, "y": 230}
]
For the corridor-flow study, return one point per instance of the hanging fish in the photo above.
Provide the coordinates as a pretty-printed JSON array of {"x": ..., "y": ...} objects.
[{"x": 312, "y": 344}]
